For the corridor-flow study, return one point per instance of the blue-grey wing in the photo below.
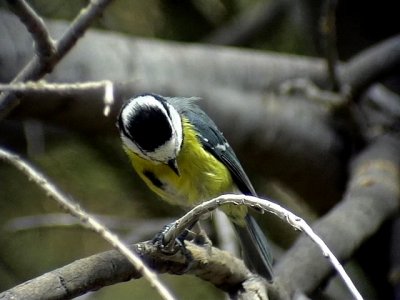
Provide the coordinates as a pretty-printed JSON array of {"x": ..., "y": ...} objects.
[{"x": 214, "y": 142}]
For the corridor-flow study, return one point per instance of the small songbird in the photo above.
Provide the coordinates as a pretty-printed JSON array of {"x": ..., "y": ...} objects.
[{"x": 182, "y": 156}]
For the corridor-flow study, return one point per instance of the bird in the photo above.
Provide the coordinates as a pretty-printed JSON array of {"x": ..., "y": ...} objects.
[{"x": 179, "y": 152}]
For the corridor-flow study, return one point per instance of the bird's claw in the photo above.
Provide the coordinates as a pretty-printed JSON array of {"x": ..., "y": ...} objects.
[{"x": 171, "y": 248}]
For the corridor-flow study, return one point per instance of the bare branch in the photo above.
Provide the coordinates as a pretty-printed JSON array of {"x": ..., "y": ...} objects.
[
  {"x": 246, "y": 26},
  {"x": 44, "y": 44},
  {"x": 372, "y": 196},
  {"x": 179, "y": 67},
  {"x": 44, "y": 87},
  {"x": 210, "y": 264},
  {"x": 37, "y": 68},
  {"x": 328, "y": 31},
  {"x": 371, "y": 65},
  {"x": 108, "y": 97},
  {"x": 264, "y": 205},
  {"x": 52, "y": 191}
]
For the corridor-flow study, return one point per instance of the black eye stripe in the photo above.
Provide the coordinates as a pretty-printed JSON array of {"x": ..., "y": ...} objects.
[{"x": 150, "y": 128}]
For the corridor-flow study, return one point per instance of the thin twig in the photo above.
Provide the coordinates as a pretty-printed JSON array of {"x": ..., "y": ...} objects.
[
  {"x": 78, "y": 27},
  {"x": 265, "y": 205},
  {"x": 108, "y": 97},
  {"x": 37, "y": 68},
  {"x": 43, "y": 86},
  {"x": 44, "y": 44},
  {"x": 328, "y": 32},
  {"x": 52, "y": 191}
]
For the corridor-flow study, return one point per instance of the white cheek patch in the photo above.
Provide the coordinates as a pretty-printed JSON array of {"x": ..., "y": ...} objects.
[
  {"x": 132, "y": 146},
  {"x": 170, "y": 149},
  {"x": 176, "y": 124},
  {"x": 165, "y": 152}
]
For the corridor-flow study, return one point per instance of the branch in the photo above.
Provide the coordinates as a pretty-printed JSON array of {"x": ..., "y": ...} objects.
[
  {"x": 37, "y": 67},
  {"x": 89, "y": 221},
  {"x": 371, "y": 65},
  {"x": 380, "y": 110},
  {"x": 178, "y": 67},
  {"x": 243, "y": 28},
  {"x": 263, "y": 205},
  {"x": 372, "y": 196},
  {"x": 265, "y": 122},
  {"x": 328, "y": 31},
  {"x": 32, "y": 87},
  {"x": 233, "y": 85},
  {"x": 211, "y": 264},
  {"x": 44, "y": 44}
]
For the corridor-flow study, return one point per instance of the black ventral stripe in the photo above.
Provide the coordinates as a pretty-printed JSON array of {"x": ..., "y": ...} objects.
[{"x": 153, "y": 178}]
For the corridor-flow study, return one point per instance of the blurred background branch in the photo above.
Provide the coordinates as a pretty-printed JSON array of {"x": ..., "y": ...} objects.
[
  {"x": 372, "y": 197},
  {"x": 37, "y": 67}
]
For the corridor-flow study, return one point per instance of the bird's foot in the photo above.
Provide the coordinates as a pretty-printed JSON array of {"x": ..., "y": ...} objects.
[{"x": 169, "y": 247}]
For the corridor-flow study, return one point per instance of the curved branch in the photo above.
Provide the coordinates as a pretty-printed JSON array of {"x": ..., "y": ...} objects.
[
  {"x": 37, "y": 67},
  {"x": 35, "y": 25},
  {"x": 87, "y": 220},
  {"x": 262, "y": 205},
  {"x": 66, "y": 285},
  {"x": 371, "y": 65},
  {"x": 92, "y": 273},
  {"x": 372, "y": 196}
]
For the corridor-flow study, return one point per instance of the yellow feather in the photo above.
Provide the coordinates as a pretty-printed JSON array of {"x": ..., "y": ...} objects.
[{"x": 202, "y": 176}]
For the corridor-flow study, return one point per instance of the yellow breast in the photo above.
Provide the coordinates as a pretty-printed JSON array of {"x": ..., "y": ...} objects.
[{"x": 202, "y": 176}]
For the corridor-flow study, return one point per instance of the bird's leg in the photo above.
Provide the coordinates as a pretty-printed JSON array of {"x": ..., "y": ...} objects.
[
  {"x": 159, "y": 239},
  {"x": 169, "y": 248},
  {"x": 166, "y": 246}
]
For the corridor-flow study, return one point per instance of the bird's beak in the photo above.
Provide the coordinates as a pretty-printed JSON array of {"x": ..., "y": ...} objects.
[{"x": 172, "y": 163}]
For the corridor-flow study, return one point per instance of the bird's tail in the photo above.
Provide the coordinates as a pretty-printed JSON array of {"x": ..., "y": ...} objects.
[{"x": 257, "y": 253}]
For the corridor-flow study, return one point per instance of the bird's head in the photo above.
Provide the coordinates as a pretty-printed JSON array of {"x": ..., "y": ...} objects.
[{"x": 152, "y": 128}]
